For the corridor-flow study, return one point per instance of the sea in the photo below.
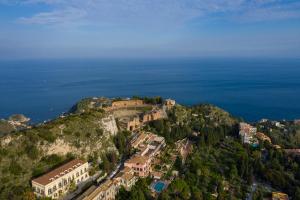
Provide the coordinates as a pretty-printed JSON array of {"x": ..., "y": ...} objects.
[{"x": 248, "y": 88}]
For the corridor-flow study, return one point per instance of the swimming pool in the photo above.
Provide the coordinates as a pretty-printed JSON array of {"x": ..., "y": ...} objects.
[{"x": 159, "y": 186}]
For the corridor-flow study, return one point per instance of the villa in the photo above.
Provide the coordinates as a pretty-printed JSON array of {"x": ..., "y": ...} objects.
[
  {"x": 125, "y": 178},
  {"x": 141, "y": 165},
  {"x": 247, "y": 133},
  {"x": 58, "y": 181}
]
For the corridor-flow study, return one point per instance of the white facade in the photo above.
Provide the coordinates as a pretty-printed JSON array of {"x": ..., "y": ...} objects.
[
  {"x": 57, "y": 182},
  {"x": 247, "y": 133}
]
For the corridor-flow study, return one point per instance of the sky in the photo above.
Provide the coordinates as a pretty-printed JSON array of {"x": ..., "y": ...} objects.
[{"x": 149, "y": 28}]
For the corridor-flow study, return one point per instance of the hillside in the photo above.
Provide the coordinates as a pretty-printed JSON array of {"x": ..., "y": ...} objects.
[
  {"x": 220, "y": 166},
  {"x": 217, "y": 160},
  {"x": 31, "y": 152},
  {"x": 6, "y": 127}
]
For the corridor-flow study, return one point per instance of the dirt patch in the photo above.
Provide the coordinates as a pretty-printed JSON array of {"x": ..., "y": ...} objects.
[{"x": 59, "y": 147}]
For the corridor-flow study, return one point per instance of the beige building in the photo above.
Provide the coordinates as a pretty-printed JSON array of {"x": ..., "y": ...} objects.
[
  {"x": 58, "y": 181},
  {"x": 139, "y": 139},
  {"x": 106, "y": 191},
  {"x": 148, "y": 143},
  {"x": 125, "y": 178}
]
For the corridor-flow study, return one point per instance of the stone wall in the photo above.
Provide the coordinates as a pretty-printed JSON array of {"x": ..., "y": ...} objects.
[{"x": 127, "y": 103}]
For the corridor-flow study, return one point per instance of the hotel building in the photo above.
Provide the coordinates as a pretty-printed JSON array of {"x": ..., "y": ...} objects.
[{"x": 57, "y": 182}]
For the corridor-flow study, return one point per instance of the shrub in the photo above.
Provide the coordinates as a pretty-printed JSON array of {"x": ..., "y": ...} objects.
[
  {"x": 47, "y": 135},
  {"x": 32, "y": 152},
  {"x": 15, "y": 168}
]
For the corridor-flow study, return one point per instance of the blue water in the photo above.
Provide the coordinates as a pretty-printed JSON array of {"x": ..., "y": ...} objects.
[
  {"x": 250, "y": 88},
  {"x": 159, "y": 186}
]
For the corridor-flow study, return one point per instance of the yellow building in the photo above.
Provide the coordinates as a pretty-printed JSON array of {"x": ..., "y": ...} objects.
[{"x": 57, "y": 182}]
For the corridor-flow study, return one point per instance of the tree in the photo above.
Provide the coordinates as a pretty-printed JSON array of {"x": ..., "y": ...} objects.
[
  {"x": 297, "y": 193},
  {"x": 105, "y": 164},
  {"x": 178, "y": 163},
  {"x": 15, "y": 168},
  {"x": 233, "y": 172},
  {"x": 179, "y": 188}
]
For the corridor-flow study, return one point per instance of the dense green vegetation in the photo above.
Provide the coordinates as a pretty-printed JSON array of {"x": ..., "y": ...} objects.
[
  {"x": 208, "y": 121},
  {"x": 122, "y": 143},
  {"x": 220, "y": 167},
  {"x": 286, "y": 134}
]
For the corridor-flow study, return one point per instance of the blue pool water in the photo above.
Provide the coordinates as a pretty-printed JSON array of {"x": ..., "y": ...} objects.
[
  {"x": 249, "y": 88},
  {"x": 159, "y": 186},
  {"x": 255, "y": 145}
]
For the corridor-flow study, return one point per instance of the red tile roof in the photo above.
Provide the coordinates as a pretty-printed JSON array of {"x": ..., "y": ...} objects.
[{"x": 60, "y": 171}]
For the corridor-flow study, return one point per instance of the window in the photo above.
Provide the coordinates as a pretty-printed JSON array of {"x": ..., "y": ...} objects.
[
  {"x": 81, "y": 172},
  {"x": 77, "y": 174},
  {"x": 42, "y": 192},
  {"x": 85, "y": 169},
  {"x": 50, "y": 191},
  {"x": 86, "y": 176},
  {"x": 59, "y": 185},
  {"x": 54, "y": 188},
  {"x": 77, "y": 180},
  {"x": 81, "y": 178}
]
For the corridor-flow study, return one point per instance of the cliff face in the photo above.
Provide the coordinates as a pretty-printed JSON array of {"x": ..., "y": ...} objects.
[
  {"x": 31, "y": 152},
  {"x": 109, "y": 125}
]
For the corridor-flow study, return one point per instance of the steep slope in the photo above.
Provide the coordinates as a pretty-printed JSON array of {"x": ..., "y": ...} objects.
[{"x": 31, "y": 152}]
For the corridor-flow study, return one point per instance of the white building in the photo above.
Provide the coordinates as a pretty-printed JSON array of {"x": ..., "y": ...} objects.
[
  {"x": 247, "y": 133},
  {"x": 58, "y": 181}
]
